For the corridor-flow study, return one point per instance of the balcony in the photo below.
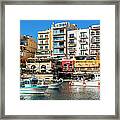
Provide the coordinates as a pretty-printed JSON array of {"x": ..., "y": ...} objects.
[
  {"x": 96, "y": 41},
  {"x": 43, "y": 44},
  {"x": 58, "y": 36},
  {"x": 59, "y": 33},
  {"x": 72, "y": 38},
  {"x": 84, "y": 49},
  {"x": 43, "y": 38},
  {"x": 96, "y": 35},
  {"x": 59, "y": 40},
  {"x": 95, "y": 48},
  {"x": 59, "y": 47},
  {"x": 71, "y": 41},
  {"x": 72, "y": 50},
  {"x": 83, "y": 37},
  {"x": 72, "y": 45},
  {"x": 83, "y": 42},
  {"x": 59, "y": 53},
  {"x": 42, "y": 52}
]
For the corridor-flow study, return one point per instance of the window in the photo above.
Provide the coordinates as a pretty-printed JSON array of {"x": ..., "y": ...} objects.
[
  {"x": 41, "y": 47},
  {"x": 41, "y": 36},
  {"x": 62, "y": 31},
  {"x": 46, "y": 47},
  {"x": 71, "y": 35},
  {"x": 43, "y": 67},
  {"x": 71, "y": 41},
  {"x": 61, "y": 51},
  {"x": 46, "y": 36},
  {"x": 92, "y": 33},
  {"x": 46, "y": 42},
  {"x": 41, "y": 42},
  {"x": 59, "y": 38},
  {"x": 55, "y": 43},
  {"x": 65, "y": 65},
  {"x": 55, "y": 51},
  {"x": 83, "y": 35},
  {"x": 97, "y": 32}
]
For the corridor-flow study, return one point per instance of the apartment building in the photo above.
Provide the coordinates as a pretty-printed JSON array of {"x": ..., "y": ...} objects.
[
  {"x": 72, "y": 43},
  {"x": 60, "y": 38},
  {"x": 83, "y": 42},
  {"x": 87, "y": 42},
  {"x": 94, "y": 47},
  {"x": 44, "y": 44},
  {"x": 66, "y": 40}
]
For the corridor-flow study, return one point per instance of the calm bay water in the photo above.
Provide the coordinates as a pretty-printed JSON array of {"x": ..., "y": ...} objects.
[{"x": 66, "y": 92}]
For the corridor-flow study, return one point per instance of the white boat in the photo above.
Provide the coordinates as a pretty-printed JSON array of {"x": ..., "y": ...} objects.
[
  {"x": 55, "y": 84},
  {"x": 30, "y": 91},
  {"x": 86, "y": 83},
  {"x": 76, "y": 83},
  {"x": 93, "y": 83},
  {"x": 31, "y": 86}
]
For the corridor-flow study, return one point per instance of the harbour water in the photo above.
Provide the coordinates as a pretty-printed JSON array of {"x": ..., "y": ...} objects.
[{"x": 66, "y": 92}]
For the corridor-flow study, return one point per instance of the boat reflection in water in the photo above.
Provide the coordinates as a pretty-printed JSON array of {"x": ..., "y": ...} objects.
[{"x": 66, "y": 92}]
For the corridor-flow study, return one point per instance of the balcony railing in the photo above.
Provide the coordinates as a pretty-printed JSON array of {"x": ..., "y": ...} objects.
[
  {"x": 95, "y": 47},
  {"x": 72, "y": 38},
  {"x": 60, "y": 46},
  {"x": 42, "y": 43},
  {"x": 42, "y": 53},
  {"x": 83, "y": 42},
  {"x": 43, "y": 38},
  {"x": 96, "y": 41},
  {"x": 59, "y": 40},
  {"x": 72, "y": 50},
  {"x": 59, "y": 33},
  {"x": 83, "y": 48},
  {"x": 72, "y": 44},
  {"x": 83, "y": 37}
]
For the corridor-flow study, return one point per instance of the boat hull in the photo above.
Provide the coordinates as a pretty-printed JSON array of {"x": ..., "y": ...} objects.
[
  {"x": 55, "y": 85},
  {"x": 86, "y": 83},
  {"x": 33, "y": 90}
]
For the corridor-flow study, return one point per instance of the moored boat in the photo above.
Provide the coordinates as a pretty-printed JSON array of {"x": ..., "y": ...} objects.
[
  {"x": 55, "y": 84},
  {"x": 86, "y": 83},
  {"x": 31, "y": 86}
]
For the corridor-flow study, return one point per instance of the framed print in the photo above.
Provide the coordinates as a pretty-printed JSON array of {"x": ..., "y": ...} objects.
[{"x": 60, "y": 60}]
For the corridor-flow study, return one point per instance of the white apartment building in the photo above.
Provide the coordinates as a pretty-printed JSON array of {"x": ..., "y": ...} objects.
[
  {"x": 59, "y": 38},
  {"x": 72, "y": 43},
  {"x": 94, "y": 40},
  {"x": 78, "y": 43},
  {"x": 43, "y": 48},
  {"x": 83, "y": 42}
]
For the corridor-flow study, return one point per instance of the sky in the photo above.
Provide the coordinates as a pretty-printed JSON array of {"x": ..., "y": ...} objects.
[{"x": 31, "y": 27}]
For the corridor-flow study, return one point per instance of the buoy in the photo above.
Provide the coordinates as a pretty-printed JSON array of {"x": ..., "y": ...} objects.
[
  {"x": 70, "y": 83},
  {"x": 84, "y": 84},
  {"x": 98, "y": 83}
]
